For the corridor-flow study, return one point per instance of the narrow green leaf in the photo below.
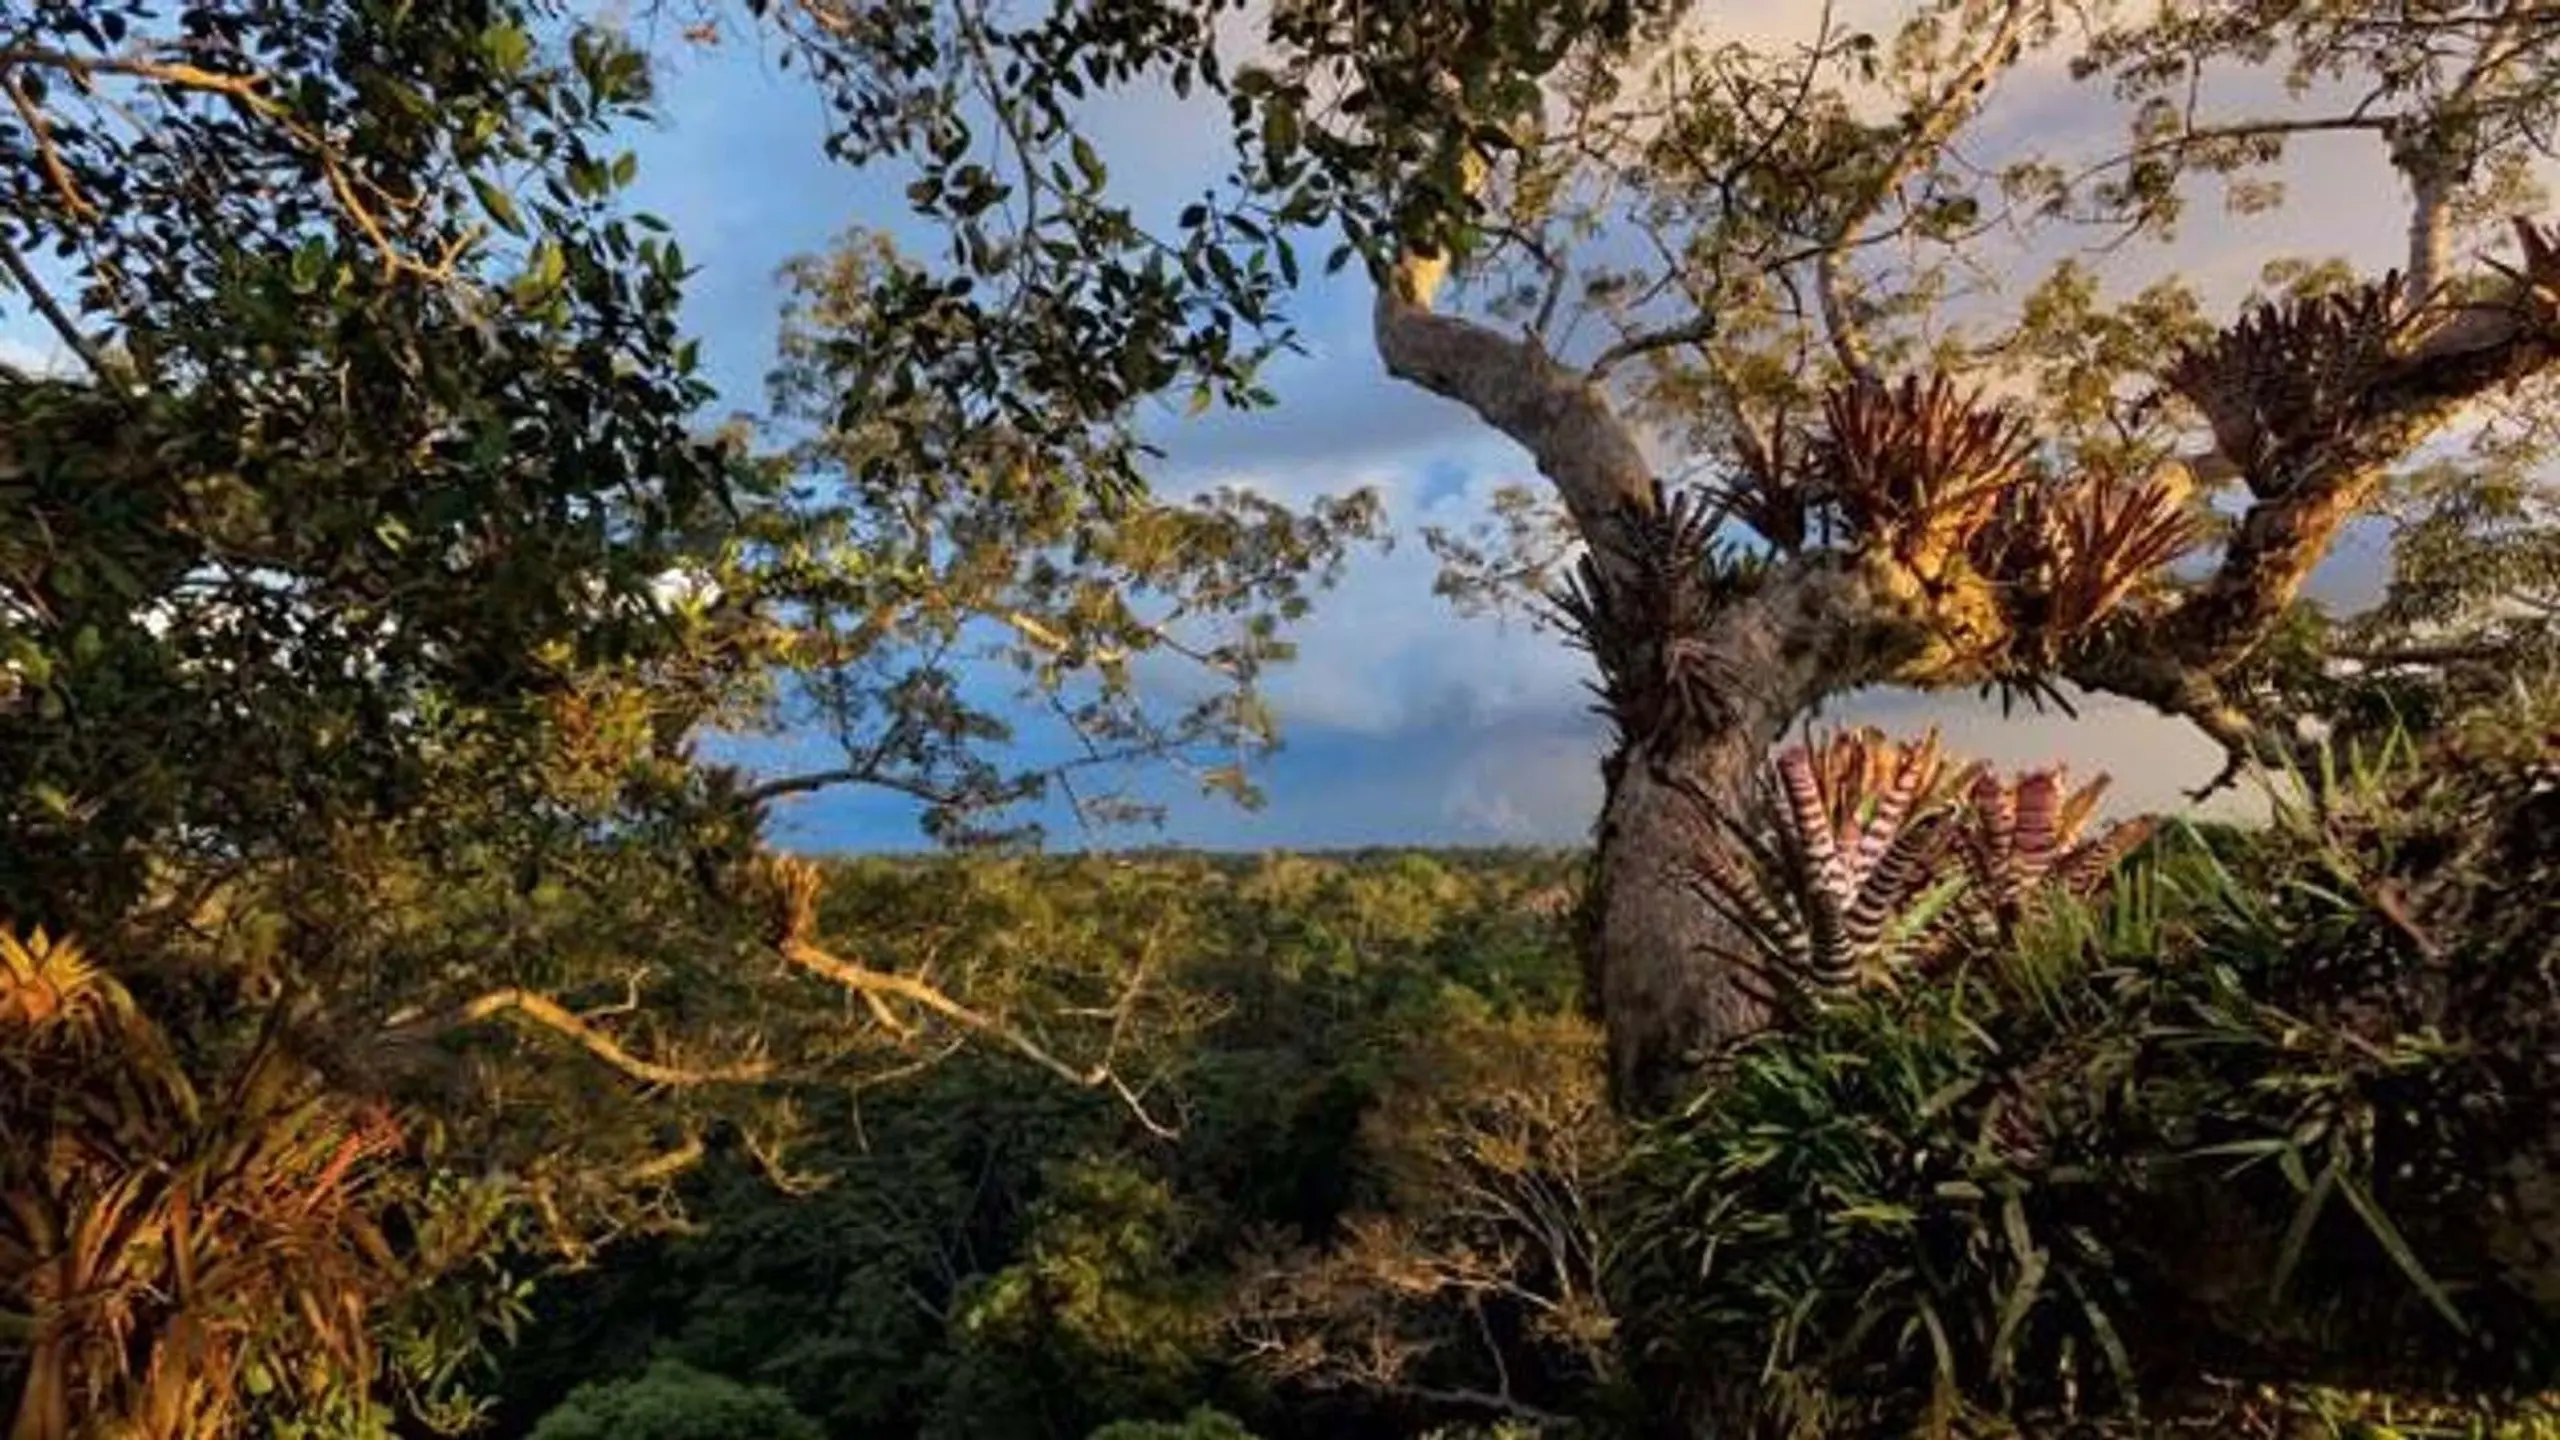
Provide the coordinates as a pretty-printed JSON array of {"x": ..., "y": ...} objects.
[
  {"x": 2397, "y": 1246},
  {"x": 1088, "y": 163},
  {"x": 2298, "y": 1232}
]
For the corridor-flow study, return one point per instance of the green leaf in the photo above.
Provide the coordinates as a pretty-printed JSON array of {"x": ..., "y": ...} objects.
[
  {"x": 1279, "y": 131},
  {"x": 507, "y": 46},
  {"x": 310, "y": 261},
  {"x": 2397, "y": 1246},
  {"x": 2119, "y": 1359},
  {"x": 500, "y": 205},
  {"x": 1087, "y": 162},
  {"x": 2298, "y": 1233}
]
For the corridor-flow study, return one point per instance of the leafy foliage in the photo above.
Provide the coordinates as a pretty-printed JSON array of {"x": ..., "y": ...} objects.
[
  {"x": 1200, "y": 1424},
  {"x": 372, "y": 585},
  {"x": 977, "y": 1256},
  {"x": 2221, "y": 1122},
  {"x": 674, "y": 1401},
  {"x": 1487, "y": 1246},
  {"x": 182, "y": 1253}
]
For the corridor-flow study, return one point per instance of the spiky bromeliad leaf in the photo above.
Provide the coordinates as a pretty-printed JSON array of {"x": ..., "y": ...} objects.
[
  {"x": 1774, "y": 495},
  {"x": 1919, "y": 468},
  {"x": 1843, "y": 846},
  {"x": 1860, "y": 858},
  {"x": 2113, "y": 538},
  {"x": 1659, "y": 676},
  {"x": 2028, "y": 837},
  {"x": 2068, "y": 557},
  {"x": 2291, "y": 378},
  {"x": 166, "y": 1237},
  {"x": 47, "y": 983}
]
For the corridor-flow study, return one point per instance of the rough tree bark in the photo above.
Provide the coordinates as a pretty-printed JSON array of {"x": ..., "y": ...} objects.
[{"x": 1820, "y": 625}]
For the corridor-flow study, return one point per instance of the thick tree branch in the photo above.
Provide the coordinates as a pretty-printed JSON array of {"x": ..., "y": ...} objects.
[
  {"x": 2432, "y": 182},
  {"x": 2315, "y": 457},
  {"x": 1561, "y": 416},
  {"x": 1848, "y": 337},
  {"x": 2437, "y": 155},
  {"x": 2308, "y": 492},
  {"x": 2180, "y": 692}
]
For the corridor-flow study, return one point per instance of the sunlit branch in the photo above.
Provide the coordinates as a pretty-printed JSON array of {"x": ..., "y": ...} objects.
[
  {"x": 249, "y": 90},
  {"x": 547, "y": 1014},
  {"x": 884, "y": 985}
]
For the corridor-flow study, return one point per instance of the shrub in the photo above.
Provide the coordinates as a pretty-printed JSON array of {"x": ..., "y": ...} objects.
[
  {"x": 1201, "y": 1424},
  {"x": 2229, "y": 1120},
  {"x": 674, "y": 1401}
]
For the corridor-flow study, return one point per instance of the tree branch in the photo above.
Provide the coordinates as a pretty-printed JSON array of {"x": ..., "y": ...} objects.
[
  {"x": 1696, "y": 332},
  {"x": 1955, "y": 103},
  {"x": 2314, "y": 465},
  {"x": 879, "y": 986},
  {"x": 2449, "y": 653},
  {"x": 867, "y": 773},
  {"x": 54, "y": 315},
  {"x": 1561, "y": 416},
  {"x": 548, "y": 1014},
  {"x": 2417, "y": 389},
  {"x": 2437, "y": 158},
  {"x": 249, "y": 90}
]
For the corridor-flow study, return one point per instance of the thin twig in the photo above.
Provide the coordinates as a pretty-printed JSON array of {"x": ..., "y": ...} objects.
[{"x": 52, "y": 311}]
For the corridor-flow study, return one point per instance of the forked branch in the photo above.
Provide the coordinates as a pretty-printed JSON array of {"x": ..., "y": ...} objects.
[
  {"x": 795, "y": 885},
  {"x": 1955, "y": 103},
  {"x": 549, "y": 1015}
]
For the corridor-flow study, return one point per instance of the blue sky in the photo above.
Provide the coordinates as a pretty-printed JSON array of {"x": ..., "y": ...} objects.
[{"x": 1403, "y": 722}]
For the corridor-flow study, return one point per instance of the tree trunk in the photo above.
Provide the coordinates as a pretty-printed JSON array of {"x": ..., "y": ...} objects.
[
  {"x": 1651, "y": 961},
  {"x": 1660, "y": 964},
  {"x": 1657, "y": 963}
]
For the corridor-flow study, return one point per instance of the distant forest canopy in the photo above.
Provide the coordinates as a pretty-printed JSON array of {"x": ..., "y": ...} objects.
[{"x": 1399, "y": 1203}]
